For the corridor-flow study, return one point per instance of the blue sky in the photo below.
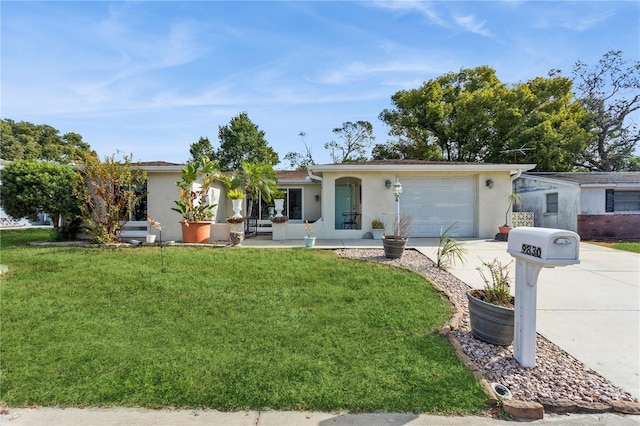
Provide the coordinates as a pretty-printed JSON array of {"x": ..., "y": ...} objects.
[{"x": 150, "y": 78}]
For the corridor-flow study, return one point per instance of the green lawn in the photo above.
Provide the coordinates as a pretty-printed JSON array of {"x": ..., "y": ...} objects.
[
  {"x": 632, "y": 246},
  {"x": 223, "y": 328}
]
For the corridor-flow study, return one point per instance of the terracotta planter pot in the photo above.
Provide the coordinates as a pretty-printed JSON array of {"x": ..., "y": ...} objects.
[
  {"x": 196, "y": 232},
  {"x": 490, "y": 323},
  {"x": 393, "y": 246},
  {"x": 504, "y": 229}
]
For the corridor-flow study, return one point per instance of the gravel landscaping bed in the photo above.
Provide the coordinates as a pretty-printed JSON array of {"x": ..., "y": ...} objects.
[{"x": 557, "y": 376}]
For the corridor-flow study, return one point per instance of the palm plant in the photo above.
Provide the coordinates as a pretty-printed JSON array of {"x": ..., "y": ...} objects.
[
  {"x": 449, "y": 249},
  {"x": 513, "y": 198},
  {"x": 257, "y": 180}
]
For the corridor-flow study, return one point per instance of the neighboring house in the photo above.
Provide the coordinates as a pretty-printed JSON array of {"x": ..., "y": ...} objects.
[
  {"x": 342, "y": 199},
  {"x": 595, "y": 204}
]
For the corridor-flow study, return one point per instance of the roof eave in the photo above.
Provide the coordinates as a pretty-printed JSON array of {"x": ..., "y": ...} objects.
[
  {"x": 550, "y": 180},
  {"x": 444, "y": 167}
]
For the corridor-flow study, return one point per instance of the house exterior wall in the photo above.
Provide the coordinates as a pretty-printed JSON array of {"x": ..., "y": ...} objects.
[
  {"x": 488, "y": 204},
  {"x": 609, "y": 226},
  {"x": 379, "y": 202},
  {"x": 581, "y": 208},
  {"x": 161, "y": 194},
  {"x": 493, "y": 202},
  {"x": 311, "y": 208},
  {"x": 592, "y": 201},
  {"x": 594, "y": 222},
  {"x": 533, "y": 198}
]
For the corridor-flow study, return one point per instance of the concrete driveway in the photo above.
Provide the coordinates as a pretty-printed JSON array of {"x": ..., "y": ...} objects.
[{"x": 591, "y": 310}]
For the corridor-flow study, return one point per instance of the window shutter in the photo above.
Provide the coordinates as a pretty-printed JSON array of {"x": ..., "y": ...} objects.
[{"x": 608, "y": 207}]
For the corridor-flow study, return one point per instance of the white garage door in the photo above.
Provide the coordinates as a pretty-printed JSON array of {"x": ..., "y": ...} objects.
[{"x": 438, "y": 202}]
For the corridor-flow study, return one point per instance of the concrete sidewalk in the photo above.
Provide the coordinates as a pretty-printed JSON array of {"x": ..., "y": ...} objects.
[{"x": 142, "y": 417}]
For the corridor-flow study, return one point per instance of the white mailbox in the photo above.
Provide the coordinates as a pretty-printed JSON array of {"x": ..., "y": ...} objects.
[
  {"x": 534, "y": 249},
  {"x": 545, "y": 246}
]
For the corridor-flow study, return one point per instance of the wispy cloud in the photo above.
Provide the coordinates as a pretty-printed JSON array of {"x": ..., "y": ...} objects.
[
  {"x": 469, "y": 23},
  {"x": 426, "y": 9},
  {"x": 443, "y": 19},
  {"x": 577, "y": 17},
  {"x": 357, "y": 71}
]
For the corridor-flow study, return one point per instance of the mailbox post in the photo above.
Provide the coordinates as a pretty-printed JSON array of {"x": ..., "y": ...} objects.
[{"x": 534, "y": 249}]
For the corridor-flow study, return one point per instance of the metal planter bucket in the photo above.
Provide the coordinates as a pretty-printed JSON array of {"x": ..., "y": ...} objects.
[
  {"x": 490, "y": 323},
  {"x": 393, "y": 246}
]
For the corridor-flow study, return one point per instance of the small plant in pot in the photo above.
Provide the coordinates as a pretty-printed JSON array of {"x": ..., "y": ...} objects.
[
  {"x": 394, "y": 244},
  {"x": 278, "y": 200},
  {"x": 309, "y": 239},
  {"x": 236, "y": 196},
  {"x": 491, "y": 309},
  {"x": 377, "y": 226}
]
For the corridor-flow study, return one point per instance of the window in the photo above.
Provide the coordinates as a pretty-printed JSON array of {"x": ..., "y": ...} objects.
[
  {"x": 293, "y": 204},
  {"x": 552, "y": 203},
  {"x": 622, "y": 201}
]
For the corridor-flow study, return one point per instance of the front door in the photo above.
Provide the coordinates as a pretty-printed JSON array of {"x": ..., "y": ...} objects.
[{"x": 344, "y": 203}]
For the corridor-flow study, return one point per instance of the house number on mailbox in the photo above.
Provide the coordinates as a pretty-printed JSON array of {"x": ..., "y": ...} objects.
[{"x": 531, "y": 250}]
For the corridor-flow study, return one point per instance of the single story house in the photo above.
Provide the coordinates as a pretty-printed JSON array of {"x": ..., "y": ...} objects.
[
  {"x": 341, "y": 200},
  {"x": 594, "y": 204}
]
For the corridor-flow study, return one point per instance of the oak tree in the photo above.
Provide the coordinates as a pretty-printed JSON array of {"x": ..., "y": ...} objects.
[
  {"x": 242, "y": 140},
  {"x": 28, "y": 141},
  {"x": 610, "y": 92}
]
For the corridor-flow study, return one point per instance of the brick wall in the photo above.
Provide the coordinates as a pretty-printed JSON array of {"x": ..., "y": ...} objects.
[{"x": 618, "y": 226}]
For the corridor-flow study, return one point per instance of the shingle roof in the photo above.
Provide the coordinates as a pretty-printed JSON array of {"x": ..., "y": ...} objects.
[
  {"x": 291, "y": 175},
  {"x": 592, "y": 178},
  {"x": 159, "y": 163}
]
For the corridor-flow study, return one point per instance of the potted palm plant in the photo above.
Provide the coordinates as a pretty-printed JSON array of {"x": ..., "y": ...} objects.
[
  {"x": 195, "y": 203},
  {"x": 377, "y": 226},
  {"x": 491, "y": 309},
  {"x": 512, "y": 199}
]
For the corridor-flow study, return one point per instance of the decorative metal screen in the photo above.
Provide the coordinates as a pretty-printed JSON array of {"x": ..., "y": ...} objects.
[{"x": 522, "y": 219}]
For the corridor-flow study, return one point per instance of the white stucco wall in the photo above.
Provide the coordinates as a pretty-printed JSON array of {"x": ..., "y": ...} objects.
[
  {"x": 311, "y": 208},
  {"x": 161, "y": 194},
  {"x": 377, "y": 201}
]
